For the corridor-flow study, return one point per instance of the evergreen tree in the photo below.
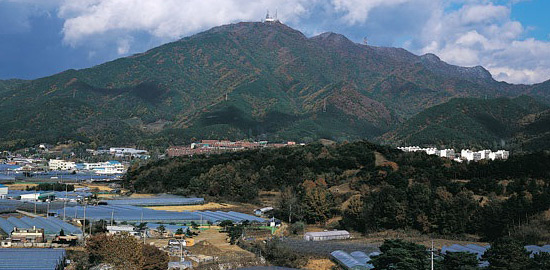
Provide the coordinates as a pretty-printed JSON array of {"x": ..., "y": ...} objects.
[
  {"x": 401, "y": 255},
  {"x": 459, "y": 261},
  {"x": 507, "y": 254}
]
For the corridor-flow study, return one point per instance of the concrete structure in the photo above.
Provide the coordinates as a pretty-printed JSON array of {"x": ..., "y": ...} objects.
[
  {"x": 30, "y": 197},
  {"x": 109, "y": 167},
  {"x": 27, "y": 235},
  {"x": 123, "y": 151},
  {"x": 3, "y": 190},
  {"x": 61, "y": 165},
  {"x": 118, "y": 229},
  {"x": 327, "y": 235},
  {"x": 262, "y": 211},
  {"x": 465, "y": 154}
]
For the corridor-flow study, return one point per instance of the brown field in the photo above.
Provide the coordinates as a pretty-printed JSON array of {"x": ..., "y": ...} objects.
[
  {"x": 198, "y": 207},
  {"x": 94, "y": 186},
  {"x": 218, "y": 241},
  {"x": 20, "y": 186},
  {"x": 141, "y": 195},
  {"x": 319, "y": 264}
]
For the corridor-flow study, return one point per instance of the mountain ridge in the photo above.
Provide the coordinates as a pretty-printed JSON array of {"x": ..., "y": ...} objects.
[{"x": 243, "y": 80}]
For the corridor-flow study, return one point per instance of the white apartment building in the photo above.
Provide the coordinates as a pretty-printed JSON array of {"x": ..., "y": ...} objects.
[
  {"x": 465, "y": 154},
  {"x": 109, "y": 167},
  {"x": 447, "y": 153},
  {"x": 61, "y": 165}
]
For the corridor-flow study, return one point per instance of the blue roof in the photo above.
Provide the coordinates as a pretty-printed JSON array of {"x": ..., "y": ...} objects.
[
  {"x": 31, "y": 258},
  {"x": 137, "y": 214},
  {"x": 51, "y": 225},
  {"x": 157, "y": 201},
  {"x": 348, "y": 261}
]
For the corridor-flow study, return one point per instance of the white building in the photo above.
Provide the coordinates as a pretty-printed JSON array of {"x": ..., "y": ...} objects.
[
  {"x": 447, "y": 153},
  {"x": 122, "y": 151},
  {"x": 118, "y": 229},
  {"x": 30, "y": 197},
  {"x": 109, "y": 167},
  {"x": 61, "y": 165},
  {"x": 3, "y": 190},
  {"x": 327, "y": 235}
]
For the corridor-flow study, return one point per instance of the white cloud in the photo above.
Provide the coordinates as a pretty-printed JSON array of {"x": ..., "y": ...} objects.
[
  {"x": 478, "y": 32},
  {"x": 482, "y": 33},
  {"x": 357, "y": 11},
  {"x": 164, "y": 19}
]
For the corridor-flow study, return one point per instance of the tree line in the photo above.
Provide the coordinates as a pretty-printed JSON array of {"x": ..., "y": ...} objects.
[{"x": 397, "y": 190}]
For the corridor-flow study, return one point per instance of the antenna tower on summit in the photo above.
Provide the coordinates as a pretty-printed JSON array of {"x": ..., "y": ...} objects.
[{"x": 270, "y": 19}]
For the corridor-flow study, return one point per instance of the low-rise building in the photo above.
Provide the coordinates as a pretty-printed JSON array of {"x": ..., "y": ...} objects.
[
  {"x": 109, "y": 167},
  {"x": 27, "y": 235},
  {"x": 262, "y": 211},
  {"x": 3, "y": 190},
  {"x": 124, "y": 151},
  {"x": 61, "y": 165},
  {"x": 327, "y": 235},
  {"x": 118, "y": 229}
]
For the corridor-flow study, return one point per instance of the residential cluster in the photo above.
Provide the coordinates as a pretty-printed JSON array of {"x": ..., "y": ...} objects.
[
  {"x": 220, "y": 146},
  {"x": 464, "y": 155},
  {"x": 121, "y": 152},
  {"x": 108, "y": 167}
]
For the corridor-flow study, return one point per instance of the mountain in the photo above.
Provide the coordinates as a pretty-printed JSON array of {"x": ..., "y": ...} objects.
[
  {"x": 257, "y": 80},
  {"x": 469, "y": 122}
]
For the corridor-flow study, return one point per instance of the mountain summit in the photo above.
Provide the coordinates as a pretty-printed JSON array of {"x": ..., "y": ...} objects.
[{"x": 260, "y": 80}]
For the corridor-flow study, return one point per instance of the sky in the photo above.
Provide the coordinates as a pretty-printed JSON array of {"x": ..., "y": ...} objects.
[{"x": 511, "y": 38}]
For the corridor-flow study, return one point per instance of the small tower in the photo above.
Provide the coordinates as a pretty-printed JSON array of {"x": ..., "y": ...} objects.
[{"x": 270, "y": 19}]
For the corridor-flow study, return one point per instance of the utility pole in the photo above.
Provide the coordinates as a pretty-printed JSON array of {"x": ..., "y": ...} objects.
[
  {"x": 65, "y": 199},
  {"x": 84, "y": 225},
  {"x": 432, "y": 251},
  {"x": 112, "y": 216}
]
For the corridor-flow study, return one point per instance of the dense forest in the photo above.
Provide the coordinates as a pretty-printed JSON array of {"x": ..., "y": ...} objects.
[{"x": 372, "y": 187}]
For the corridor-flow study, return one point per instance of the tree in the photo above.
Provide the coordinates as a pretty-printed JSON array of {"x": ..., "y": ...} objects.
[
  {"x": 540, "y": 261},
  {"x": 507, "y": 254},
  {"x": 279, "y": 255},
  {"x": 179, "y": 231},
  {"x": 122, "y": 251},
  {"x": 401, "y": 255},
  {"x": 154, "y": 258},
  {"x": 459, "y": 261},
  {"x": 161, "y": 229},
  {"x": 62, "y": 233},
  {"x": 142, "y": 226},
  {"x": 316, "y": 200},
  {"x": 194, "y": 225},
  {"x": 225, "y": 224}
]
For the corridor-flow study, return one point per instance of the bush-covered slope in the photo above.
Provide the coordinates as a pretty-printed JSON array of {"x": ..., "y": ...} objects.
[{"x": 470, "y": 123}]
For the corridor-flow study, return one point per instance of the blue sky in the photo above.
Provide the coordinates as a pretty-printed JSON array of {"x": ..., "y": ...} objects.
[{"x": 510, "y": 38}]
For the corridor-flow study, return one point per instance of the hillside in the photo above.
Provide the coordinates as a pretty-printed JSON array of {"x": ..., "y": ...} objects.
[
  {"x": 406, "y": 191},
  {"x": 258, "y": 80},
  {"x": 468, "y": 122}
]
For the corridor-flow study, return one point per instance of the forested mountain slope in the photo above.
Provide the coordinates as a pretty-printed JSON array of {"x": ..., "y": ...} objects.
[{"x": 245, "y": 80}]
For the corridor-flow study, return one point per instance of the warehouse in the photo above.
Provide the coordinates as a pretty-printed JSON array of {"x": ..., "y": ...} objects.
[{"x": 327, "y": 235}]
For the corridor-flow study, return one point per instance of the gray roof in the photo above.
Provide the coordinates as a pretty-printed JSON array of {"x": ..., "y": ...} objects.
[{"x": 327, "y": 233}]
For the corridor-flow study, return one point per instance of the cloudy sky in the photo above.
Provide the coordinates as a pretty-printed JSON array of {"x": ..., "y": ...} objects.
[{"x": 511, "y": 38}]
